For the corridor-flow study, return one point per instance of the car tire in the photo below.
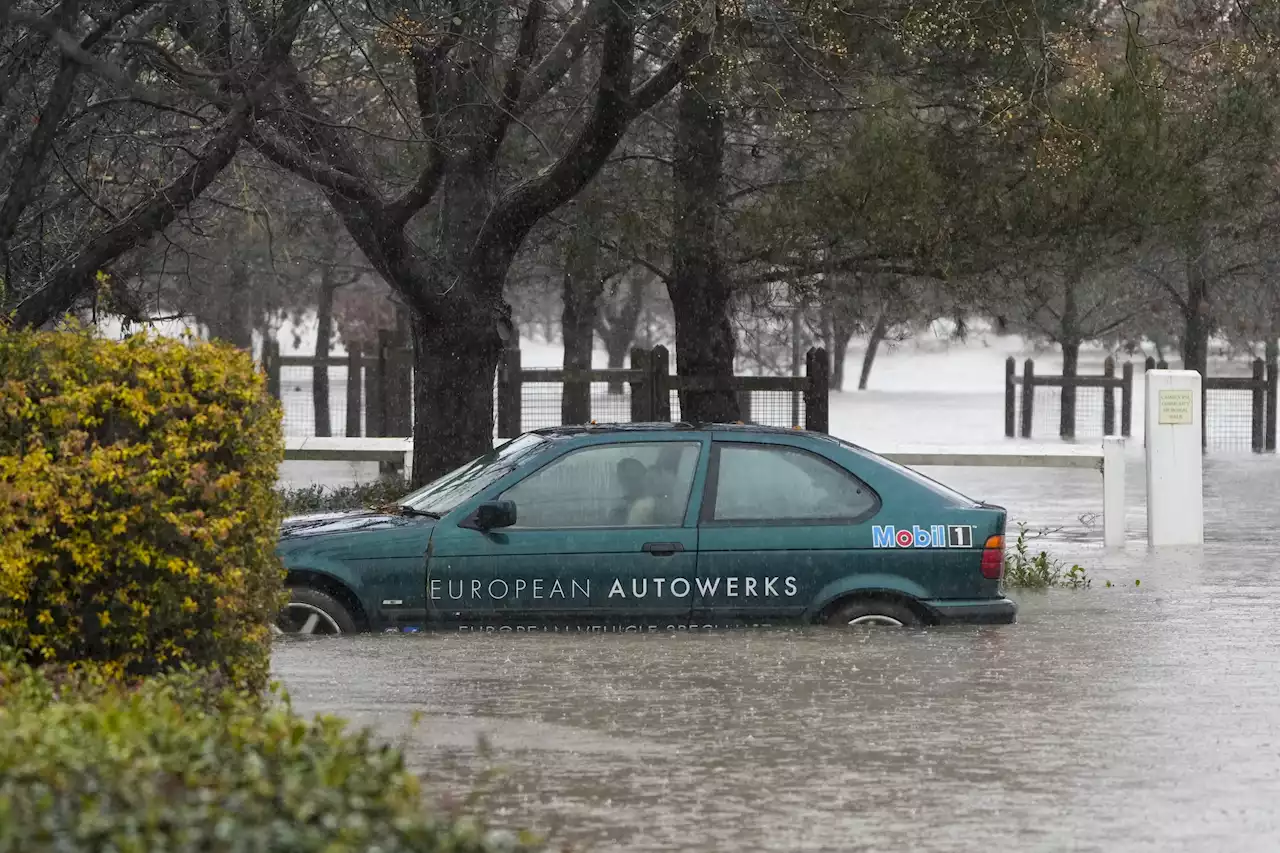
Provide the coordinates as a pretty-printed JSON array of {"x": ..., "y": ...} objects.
[
  {"x": 312, "y": 612},
  {"x": 872, "y": 612}
]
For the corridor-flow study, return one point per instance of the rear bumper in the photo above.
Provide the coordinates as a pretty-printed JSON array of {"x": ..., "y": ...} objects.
[{"x": 986, "y": 611}]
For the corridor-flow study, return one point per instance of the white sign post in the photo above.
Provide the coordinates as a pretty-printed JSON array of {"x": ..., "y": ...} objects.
[
  {"x": 1175, "y": 458},
  {"x": 1113, "y": 491}
]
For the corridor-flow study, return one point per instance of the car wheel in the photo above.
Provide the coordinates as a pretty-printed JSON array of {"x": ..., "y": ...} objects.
[
  {"x": 310, "y": 611},
  {"x": 872, "y": 612}
]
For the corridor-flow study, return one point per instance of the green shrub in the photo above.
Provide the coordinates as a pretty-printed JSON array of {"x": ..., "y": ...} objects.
[
  {"x": 165, "y": 767},
  {"x": 362, "y": 496},
  {"x": 138, "y": 505},
  {"x": 1027, "y": 570}
]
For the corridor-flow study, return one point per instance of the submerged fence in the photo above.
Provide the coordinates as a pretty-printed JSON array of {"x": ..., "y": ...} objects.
[
  {"x": 1239, "y": 412},
  {"x": 371, "y": 394}
]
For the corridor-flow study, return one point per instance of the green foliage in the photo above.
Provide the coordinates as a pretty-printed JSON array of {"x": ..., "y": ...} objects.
[
  {"x": 362, "y": 496},
  {"x": 1147, "y": 130},
  {"x": 1024, "y": 569},
  {"x": 137, "y": 499},
  {"x": 176, "y": 765}
]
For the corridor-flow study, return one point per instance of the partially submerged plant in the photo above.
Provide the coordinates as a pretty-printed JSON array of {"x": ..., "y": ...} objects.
[{"x": 1024, "y": 569}]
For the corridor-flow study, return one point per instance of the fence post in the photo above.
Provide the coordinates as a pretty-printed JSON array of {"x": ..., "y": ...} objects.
[
  {"x": 744, "y": 406},
  {"x": 1113, "y": 491},
  {"x": 510, "y": 393},
  {"x": 1028, "y": 395},
  {"x": 1273, "y": 385},
  {"x": 1126, "y": 399},
  {"x": 1010, "y": 396},
  {"x": 355, "y": 393},
  {"x": 660, "y": 380},
  {"x": 1204, "y": 409},
  {"x": 271, "y": 361},
  {"x": 376, "y": 416},
  {"x": 1258, "y": 432},
  {"x": 817, "y": 409},
  {"x": 642, "y": 388},
  {"x": 1109, "y": 398}
]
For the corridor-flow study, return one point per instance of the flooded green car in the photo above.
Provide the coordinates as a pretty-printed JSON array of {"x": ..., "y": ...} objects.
[{"x": 653, "y": 527}]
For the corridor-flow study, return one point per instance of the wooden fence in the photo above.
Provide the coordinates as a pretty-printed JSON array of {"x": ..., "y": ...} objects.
[
  {"x": 379, "y": 385},
  {"x": 1019, "y": 401},
  {"x": 379, "y": 389},
  {"x": 651, "y": 384},
  {"x": 1068, "y": 412}
]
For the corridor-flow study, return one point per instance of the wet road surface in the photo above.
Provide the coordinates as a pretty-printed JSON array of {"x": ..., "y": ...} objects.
[{"x": 1132, "y": 718}]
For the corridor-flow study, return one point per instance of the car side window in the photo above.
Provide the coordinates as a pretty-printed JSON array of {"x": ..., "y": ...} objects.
[
  {"x": 773, "y": 483},
  {"x": 639, "y": 484}
]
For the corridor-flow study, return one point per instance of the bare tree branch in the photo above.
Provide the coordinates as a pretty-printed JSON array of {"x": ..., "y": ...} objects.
[
  {"x": 402, "y": 209},
  {"x": 281, "y": 152},
  {"x": 28, "y": 173},
  {"x": 551, "y": 70},
  {"x": 527, "y": 202},
  {"x": 76, "y": 276},
  {"x": 689, "y": 52},
  {"x": 515, "y": 78}
]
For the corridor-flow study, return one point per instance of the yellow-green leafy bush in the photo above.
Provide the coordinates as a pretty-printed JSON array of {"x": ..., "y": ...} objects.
[
  {"x": 137, "y": 504},
  {"x": 164, "y": 767}
]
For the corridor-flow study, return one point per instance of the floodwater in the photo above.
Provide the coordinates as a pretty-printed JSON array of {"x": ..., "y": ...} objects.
[{"x": 1135, "y": 717}]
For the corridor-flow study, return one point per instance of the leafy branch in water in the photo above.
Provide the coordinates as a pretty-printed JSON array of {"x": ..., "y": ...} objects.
[{"x": 1025, "y": 569}]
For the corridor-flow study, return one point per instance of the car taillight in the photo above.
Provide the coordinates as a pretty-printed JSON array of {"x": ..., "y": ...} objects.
[{"x": 993, "y": 558}]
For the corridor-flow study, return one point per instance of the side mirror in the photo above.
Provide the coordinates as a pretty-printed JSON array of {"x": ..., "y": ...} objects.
[{"x": 491, "y": 515}]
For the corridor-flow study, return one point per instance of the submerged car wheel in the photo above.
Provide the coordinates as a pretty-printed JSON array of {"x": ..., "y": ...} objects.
[
  {"x": 312, "y": 612},
  {"x": 873, "y": 612}
]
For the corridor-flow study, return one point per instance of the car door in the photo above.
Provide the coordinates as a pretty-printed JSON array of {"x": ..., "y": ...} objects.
[
  {"x": 605, "y": 534},
  {"x": 777, "y": 522},
  {"x": 459, "y": 578}
]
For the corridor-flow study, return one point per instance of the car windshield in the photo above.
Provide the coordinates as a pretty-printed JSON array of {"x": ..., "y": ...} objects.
[{"x": 462, "y": 484}]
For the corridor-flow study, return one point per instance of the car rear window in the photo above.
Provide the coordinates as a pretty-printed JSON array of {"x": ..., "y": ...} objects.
[{"x": 933, "y": 485}]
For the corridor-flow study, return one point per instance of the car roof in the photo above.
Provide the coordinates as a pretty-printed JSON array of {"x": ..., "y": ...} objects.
[{"x": 664, "y": 426}]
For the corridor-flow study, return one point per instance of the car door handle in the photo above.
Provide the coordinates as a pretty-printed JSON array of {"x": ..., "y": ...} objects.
[{"x": 662, "y": 549}]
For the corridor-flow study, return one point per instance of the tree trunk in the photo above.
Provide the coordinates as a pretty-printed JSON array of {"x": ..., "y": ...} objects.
[
  {"x": 841, "y": 323},
  {"x": 700, "y": 292},
  {"x": 1070, "y": 369},
  {"x": 878, "y": 333},
  {"x": 231, "y": 317},
  {"x": 1272, "y": 353},
  {"x": 453, "y": 383},
  {"x": 452, "y": 276},
  {"x": 1070, "y": 340},
  {"x": 618, "y": 329},
  {"x": 1197, "y": 324},
  {"x": 324, "y": 335},
  {"x": 579, "y": 303}
]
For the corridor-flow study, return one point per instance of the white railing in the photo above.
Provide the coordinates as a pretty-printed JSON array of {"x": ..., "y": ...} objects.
[{"x": 1108, "y": 460}]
